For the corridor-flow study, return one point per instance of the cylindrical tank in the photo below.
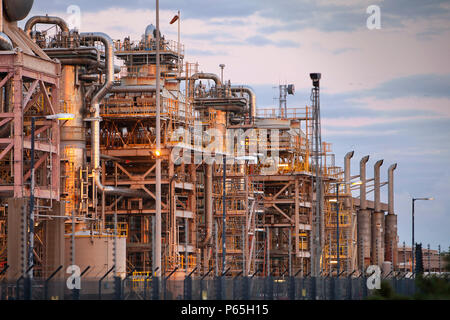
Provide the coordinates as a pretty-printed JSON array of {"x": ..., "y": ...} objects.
[
  {"x": 97, "y": 252},
  {"x": 364, "y": 238},
  {"x": 17, "y": 9},
  {"x": 377, "y": 238},
  {"x": 73, "y": 133},
  {"x": 390, "y": 238}
]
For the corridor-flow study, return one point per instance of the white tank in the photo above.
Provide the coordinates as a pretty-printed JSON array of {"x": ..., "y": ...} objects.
[{"x": 97, "y": 252}]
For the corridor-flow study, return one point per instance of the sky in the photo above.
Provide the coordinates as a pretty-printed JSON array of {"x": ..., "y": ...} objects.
[{"x": 384, "y": 92}]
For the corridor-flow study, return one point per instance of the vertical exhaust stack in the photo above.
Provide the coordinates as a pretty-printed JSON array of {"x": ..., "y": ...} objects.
[
  {"x": 390, "y": 237},
  {"x": 363, "y": 217},
  {"x": 347, "y": 163},
  {"x": 377, "y": 220}
]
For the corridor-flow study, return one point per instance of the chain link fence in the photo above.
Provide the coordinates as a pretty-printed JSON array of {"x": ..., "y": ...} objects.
[{"x": 193, "y": 288}]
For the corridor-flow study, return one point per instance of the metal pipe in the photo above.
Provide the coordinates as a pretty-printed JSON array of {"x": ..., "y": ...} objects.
[
  {"x": 391, "y": 188},
  {"x": 376, "y": 175},
  {"x": 252, "y": 98},
  {"x": 89, "y": 77},
  {"x": 95, "y": 108},
  {"x": 362, "y": 188},
  {"x": 134, "y": 89},
  {"x": 347, "y": 164},
  {"x": 202, "y": 75},
  {"x": 45, "y": 20},
  {"x": 363, "y": 219}
]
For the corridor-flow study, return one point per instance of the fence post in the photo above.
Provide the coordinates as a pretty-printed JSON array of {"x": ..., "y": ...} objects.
[
  {"x": 236, "y": 294},
  {"x": 350, "y": 285},
  {"x": 188, "y": 286},
  {"x": 268, "y": 292},
  {"x": 165, "y": 282},
  {"x": 218, "y": 287},
  {"x": 100, "y": 282},
  {"x": 201, "y": 283},
  {"x": 75, "y": 291},
  {"x": 155, "y": 288},
  {"x": 47, "y": 281},
  {"x": 119, "y": 285},
  {"x": 291, "y": 288}
]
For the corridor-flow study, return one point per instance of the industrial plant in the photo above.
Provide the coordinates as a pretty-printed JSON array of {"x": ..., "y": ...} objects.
[{"x": 123, "y": 159}]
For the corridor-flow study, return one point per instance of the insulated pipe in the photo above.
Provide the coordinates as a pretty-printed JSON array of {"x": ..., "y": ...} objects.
[
  {"x": 252, "y": 97},
  {"x": 45, "y": 20},
  {"x": 390, "y": 236},
  {"x": 391, "y": 188},
  {"x": 208, "y": 204},
  {"x": 377, "y": 220},
  {"x": 362, "y": 188},
  {"x": 202, "y": 75},
  {"x": 376, "y": 175},
  {"x": 126, "y": 89},
  {"x": 363, "y": 220},
  {"x": 347, "y": 158},
  {"x": 95, "y": 108}
]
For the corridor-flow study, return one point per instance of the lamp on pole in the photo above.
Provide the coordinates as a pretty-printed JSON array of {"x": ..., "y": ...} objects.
[
  {"x": 338, "y": 266},
  {"x": 413, "y": 251}
]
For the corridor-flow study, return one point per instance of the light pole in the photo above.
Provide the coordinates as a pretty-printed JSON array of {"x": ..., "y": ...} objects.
[
  {"x": 413, "y": 251},
  {"x": 338, "y": 266}
]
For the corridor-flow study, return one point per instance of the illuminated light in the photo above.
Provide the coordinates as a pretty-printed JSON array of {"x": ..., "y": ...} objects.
[
  {"x": 284, "y": 165},
  {"x": 332, "y": 200},
  {"x": 157, "y": 153},
  {"x": 61, "y": 116},
  {"x": 357, "y": 183}
]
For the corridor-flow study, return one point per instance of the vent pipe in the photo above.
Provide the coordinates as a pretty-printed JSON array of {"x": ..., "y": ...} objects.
[
  {"x": 391, "y": 188},
  {"x": 362, "y": 188},
  {"x": 376, "y": 175}
]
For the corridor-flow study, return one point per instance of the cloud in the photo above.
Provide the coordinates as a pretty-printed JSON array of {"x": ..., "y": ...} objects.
[
  {"x": 420, "y": 85},
  {"x": 264, "y": 41}
]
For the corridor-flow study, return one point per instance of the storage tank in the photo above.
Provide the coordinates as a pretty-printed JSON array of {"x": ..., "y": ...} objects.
[
  {"x": 96, "y": 251},
  {"x": 17, "y": 9}
]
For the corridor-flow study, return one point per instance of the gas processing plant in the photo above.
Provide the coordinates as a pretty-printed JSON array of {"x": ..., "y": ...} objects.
[{"x": 120, "y": 153}]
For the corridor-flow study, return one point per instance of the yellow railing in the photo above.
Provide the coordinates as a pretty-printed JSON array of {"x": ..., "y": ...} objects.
[
  {"x": 139, "y": 277},
  {"x": 179, "y": 261}
]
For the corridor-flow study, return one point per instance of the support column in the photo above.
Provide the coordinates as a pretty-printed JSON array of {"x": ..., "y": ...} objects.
[
  {"x": 54, "y": 240},
  {"x": 17, "y": 237},
  {"x": 364, "y": 229}
]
